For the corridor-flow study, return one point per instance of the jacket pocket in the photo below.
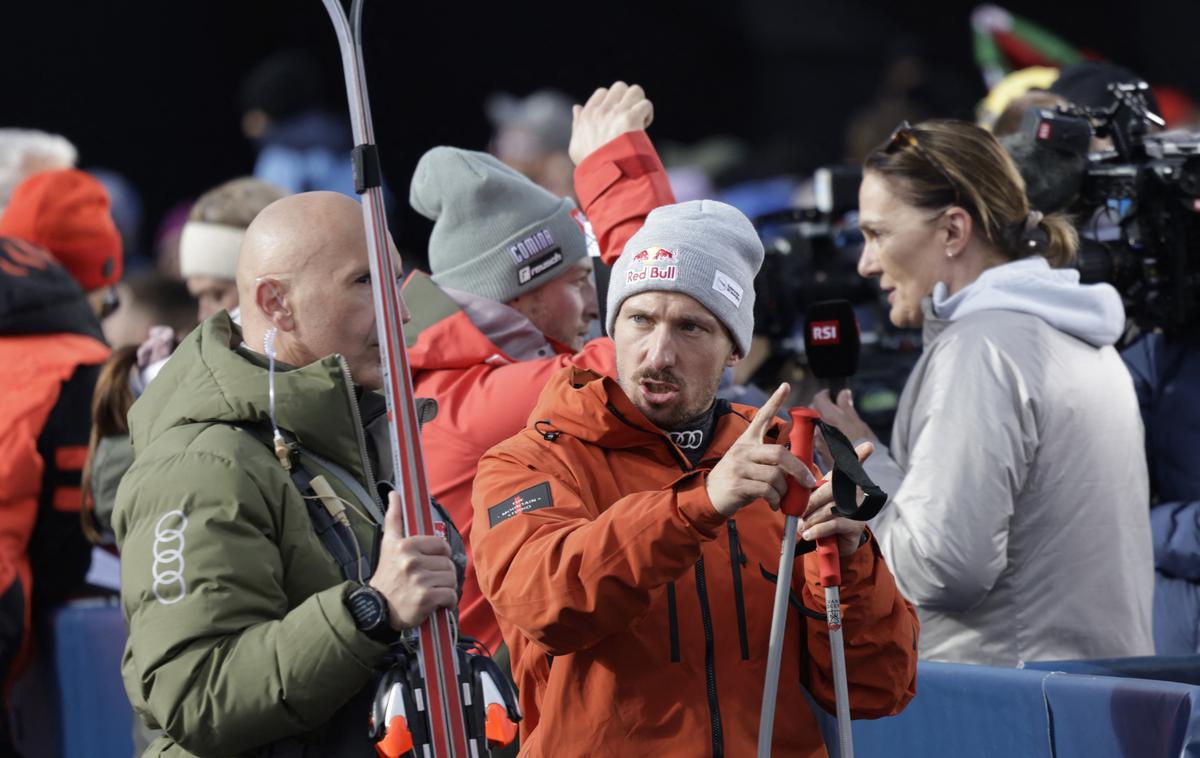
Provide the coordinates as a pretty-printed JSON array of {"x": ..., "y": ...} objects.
[{"x": 737, "y": 559}]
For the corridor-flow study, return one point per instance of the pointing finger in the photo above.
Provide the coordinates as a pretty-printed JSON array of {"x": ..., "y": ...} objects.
[{"x": 758, "y": 425}]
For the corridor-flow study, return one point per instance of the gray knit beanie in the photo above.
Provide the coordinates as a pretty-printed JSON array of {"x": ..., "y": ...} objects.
[
  {"x": 702, "y": 248},
  {"x": 496, "y": 234}
]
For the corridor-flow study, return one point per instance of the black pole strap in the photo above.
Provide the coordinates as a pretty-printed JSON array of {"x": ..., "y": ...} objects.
[{"x": 848, "y": 477}]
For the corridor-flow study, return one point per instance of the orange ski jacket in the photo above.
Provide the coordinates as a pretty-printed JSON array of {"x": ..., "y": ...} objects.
[{"x": 637, "y": 616}]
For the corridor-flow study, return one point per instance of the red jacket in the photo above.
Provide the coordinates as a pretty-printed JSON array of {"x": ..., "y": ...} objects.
[
  {"x": 484, "y": 395},
  {"x": 637, "y": 616},
  {"x": 50, "y": 357}
]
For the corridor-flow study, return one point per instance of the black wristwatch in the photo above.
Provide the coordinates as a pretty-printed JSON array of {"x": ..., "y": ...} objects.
[{"x": 369, "y": 609}]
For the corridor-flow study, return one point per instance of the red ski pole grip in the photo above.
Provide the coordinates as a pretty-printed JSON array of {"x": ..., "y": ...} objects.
[
  {"x": 795, "y": 501},
  {"x": 829, "y": 561}
]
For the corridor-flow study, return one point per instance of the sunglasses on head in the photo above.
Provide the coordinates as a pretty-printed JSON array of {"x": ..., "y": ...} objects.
[{"x": 904, "y": 137}]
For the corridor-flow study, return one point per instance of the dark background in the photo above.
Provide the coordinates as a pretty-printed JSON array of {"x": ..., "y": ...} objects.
[{"x": 149, "y": 89}]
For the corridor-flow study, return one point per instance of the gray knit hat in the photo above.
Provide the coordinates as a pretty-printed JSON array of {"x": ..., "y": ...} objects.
[
  {"x": 496, "y": 234},
  {"x": 702, "y": 248}
]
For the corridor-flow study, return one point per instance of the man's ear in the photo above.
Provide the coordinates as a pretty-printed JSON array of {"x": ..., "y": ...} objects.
[
  {"x": 270, "y": 297},
  {"x": 957, "y": 225},
  {"x": 734, "y": 357}
]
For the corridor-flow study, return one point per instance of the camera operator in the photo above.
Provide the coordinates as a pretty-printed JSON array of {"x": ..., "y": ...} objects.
[{"x": 1016, "y": 526}]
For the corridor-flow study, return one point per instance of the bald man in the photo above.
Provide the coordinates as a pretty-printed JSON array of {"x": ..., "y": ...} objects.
[{"x": 235, "y": 586}]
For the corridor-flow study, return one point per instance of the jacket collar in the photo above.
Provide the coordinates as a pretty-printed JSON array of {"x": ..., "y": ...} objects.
[
  {"x": 594, "y": 408},
  {"x": 455, "y": 329},
  {"x": 213, "y": 378}
]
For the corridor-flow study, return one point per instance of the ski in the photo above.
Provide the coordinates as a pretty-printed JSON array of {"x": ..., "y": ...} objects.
[{"x": 441, "y": 698}]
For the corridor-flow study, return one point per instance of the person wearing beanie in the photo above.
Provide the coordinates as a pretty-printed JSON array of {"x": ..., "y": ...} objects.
[
  {"x": 618, "y": 531},
  {"x": 67, "y": 212},
  {"x": 212, "y": 239},
  {"x": 511, "y": 297},
  {"x": 51, "y": 351}
]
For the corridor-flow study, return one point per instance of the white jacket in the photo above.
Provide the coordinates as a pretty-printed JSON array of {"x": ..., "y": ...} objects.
[{"x": 1018, "y": 523}]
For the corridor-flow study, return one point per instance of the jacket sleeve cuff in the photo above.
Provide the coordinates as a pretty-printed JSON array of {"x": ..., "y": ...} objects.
[
  {"x": 859, "y": 567},
  {"x": 630, "y": 154},
  {"x": 696, "y": 507},
  {"x": 365, "y": 650}
]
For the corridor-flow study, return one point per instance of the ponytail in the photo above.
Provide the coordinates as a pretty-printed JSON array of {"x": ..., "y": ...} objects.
[{"x": 1063, "y": 242}]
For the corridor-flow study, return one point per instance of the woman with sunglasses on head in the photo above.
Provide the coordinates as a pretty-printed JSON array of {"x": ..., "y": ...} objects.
[{"x": 1018, "y": 522}]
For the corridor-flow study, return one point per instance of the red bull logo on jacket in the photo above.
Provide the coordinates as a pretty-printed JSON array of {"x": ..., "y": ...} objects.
[{"x": 652, "y": 264}]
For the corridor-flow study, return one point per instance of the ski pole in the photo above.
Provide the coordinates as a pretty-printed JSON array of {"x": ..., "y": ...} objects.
[
  {"x": 441, "y": 699},
  {"x": 829, "y": 561},
  {"x": 794, "y": 504}
]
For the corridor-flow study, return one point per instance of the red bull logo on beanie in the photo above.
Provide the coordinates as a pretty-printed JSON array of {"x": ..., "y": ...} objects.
[{"x": 652, "y": 264}]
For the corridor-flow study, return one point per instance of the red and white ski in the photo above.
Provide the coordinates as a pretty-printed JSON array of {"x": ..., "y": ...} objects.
[{"x": 442, "y": 697}]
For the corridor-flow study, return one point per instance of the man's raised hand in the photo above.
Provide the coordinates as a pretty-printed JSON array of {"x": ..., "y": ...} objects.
[{"x": 608, "y": 113}]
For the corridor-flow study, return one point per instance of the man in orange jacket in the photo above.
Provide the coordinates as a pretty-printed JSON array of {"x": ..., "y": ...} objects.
[
  {"x": 512, "y": 296},
  {"x": 624, "y": 536}
]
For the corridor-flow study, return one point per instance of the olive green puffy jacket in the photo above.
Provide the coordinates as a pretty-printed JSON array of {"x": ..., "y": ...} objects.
[{"x": 239, "y": 641}]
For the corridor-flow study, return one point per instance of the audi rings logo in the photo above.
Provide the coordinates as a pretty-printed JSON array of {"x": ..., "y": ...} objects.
[
  {"x": 169, "y": 585},
  {"x": 690, "y": 440}
]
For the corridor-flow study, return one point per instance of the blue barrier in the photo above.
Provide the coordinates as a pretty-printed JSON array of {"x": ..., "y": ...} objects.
[
  {"x": 986, "y": 712},
  {"x": 96, "y": 720},
  {"x": 1107, "y": 717},
  {"x": 1183, "y": 668},
  {"x": 955, "y": 713},
  {"x": 959, "y": 711}
]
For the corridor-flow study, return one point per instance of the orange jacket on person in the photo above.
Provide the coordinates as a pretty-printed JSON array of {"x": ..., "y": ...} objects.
[
  {"x": 637, "y": 616},
  {"x": 50, "y": 356},
  {"x": 483, "y": 393}
]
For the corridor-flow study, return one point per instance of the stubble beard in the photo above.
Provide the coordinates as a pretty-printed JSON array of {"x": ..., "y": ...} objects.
[{"x": 672, "y": 416}]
